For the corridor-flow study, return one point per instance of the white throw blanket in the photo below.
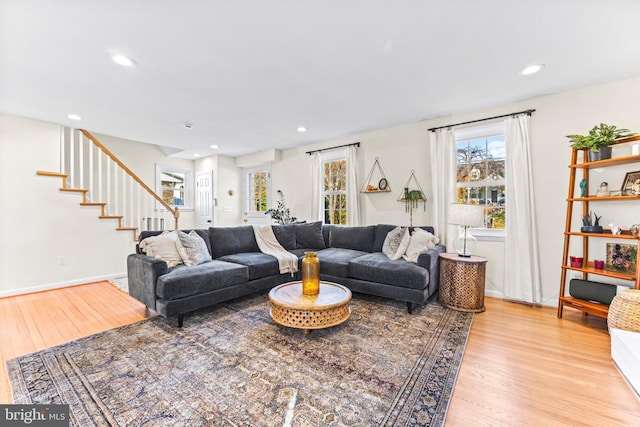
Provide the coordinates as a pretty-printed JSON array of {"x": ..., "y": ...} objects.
[{"x": 269, "y": 245}]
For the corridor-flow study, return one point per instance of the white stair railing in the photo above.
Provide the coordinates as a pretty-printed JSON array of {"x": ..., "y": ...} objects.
[{"x": 123, "y": 195}]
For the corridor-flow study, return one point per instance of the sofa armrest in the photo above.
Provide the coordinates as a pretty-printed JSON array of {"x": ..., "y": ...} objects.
[
  {"x": 430, "y": 260},
  {"x": 143, "y": 272}
]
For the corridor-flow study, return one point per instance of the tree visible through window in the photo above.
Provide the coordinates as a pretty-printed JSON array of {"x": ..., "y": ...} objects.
[
  {"x": 335, "y": 191},
  {"x": 480, "y": 176}
]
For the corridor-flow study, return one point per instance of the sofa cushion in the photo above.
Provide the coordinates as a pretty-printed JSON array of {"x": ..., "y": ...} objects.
[
  {"x": 163, "y": 246},
  {"x": 285, "y": 235},
  {"x": 421, "y": 240},
  {"x": 335, "y": 261},
  {"x": 309, "y": 235},
  {"x": 260, "y": 265},
  {"x": 232, "y": 240},
  {"x": 183, "y": 281},
  {"x": 192, "y": 248},
  {"x": 356, "y": 238},
  {"x": 381, "y": 233},
  {"x": 396, "y": 243},
  {"x": 376, "y": 267}
]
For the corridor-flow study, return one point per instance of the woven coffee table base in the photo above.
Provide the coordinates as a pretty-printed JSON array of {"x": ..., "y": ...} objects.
[{"x": 290, "y": 307}]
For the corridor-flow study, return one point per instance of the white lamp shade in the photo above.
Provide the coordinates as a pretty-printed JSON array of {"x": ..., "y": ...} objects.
[{"x": 466, "y": 215}]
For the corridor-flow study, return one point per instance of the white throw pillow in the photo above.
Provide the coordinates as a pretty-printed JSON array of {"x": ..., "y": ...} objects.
[
  {"x": 192, "y": 249},
  {"x": 163, "y": 246},
  {"x": 396, "y": 242},
  {"x": 421, "y": 240}
]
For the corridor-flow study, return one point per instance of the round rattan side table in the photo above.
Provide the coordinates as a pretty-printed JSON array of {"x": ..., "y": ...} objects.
[{"x": 462, "y": 282}]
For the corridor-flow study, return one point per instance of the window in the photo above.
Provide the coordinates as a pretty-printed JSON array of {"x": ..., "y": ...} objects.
[
  {"x": 334, "y": 191},
  {"x": 257, "y": 182},
  {"x": 174, "y": 186},
  {"x": 480, "y": 172}
]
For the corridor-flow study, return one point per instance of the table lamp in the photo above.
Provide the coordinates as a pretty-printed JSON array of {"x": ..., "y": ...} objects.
[{"x": 465, "y": 216}]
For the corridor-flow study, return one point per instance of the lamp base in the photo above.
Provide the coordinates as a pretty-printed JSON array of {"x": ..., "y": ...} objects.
[{"x": 464, "y": 243}]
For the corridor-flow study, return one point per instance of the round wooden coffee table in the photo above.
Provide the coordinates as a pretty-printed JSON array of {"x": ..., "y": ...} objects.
[{"x": 290, "y": 307}]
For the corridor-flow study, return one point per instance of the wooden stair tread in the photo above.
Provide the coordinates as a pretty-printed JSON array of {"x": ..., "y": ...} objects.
[
  {"x": 110, "y": 217},
  {"x": 93, "y": 204},
  {"x": 55, "y": 174},
  {"x": 126, "y": 228},
  {"x": 75, "y": 190}
]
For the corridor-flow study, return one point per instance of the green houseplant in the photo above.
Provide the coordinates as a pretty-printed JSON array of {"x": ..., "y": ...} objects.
[
  {"x": 591, "y": 226},
  {"x": 599, "y": 139}
]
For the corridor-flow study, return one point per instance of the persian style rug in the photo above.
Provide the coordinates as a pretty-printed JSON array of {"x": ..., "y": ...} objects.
[{"x": 231, "y": 365}]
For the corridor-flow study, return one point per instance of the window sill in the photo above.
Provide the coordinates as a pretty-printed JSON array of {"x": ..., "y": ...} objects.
[{"x": 488, "y": 235}]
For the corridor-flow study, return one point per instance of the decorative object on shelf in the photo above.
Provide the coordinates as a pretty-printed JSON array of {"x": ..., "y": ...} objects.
[
  {"x": 583, "y": 188},
  {"x": 465, "y": 216},
  {"x": 635, "y": 230},
  {"x": 598, "y": 141},
  {"x": 412, "y": 196},
  {"x": 631, "y": 183},
  {"x": 621, "y": 258},
  {"x": 370, "y": 186},
  {"x": 615, "y": 229},
  {"x": 575, "y": 261},
  {"x": 310, "y": 274},
  {"x": 281, "y": 214},
  {"x": 603, "y": 190},
  {"x": 591, "y": 226},
  {"x": 598, "y": 264}
]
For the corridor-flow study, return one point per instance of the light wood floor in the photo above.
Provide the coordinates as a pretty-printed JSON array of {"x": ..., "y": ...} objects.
[{"x": 522, "y": 366}]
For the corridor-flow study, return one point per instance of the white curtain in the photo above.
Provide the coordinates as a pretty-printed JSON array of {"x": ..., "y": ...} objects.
[
  {"x": 316, "y": 187},
  {"x": 353, "y": 196},
  {"x": 442, "y": 145},
  {"x": 522, "y": 267}
]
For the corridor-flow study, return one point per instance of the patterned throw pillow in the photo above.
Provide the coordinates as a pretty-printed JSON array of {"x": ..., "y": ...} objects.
[
  {"x": 396, "y": 242},
  {"x": 421, "y": 240},
  {"x": 163, "y": 246},
  {"x": 192, "y": 249}
]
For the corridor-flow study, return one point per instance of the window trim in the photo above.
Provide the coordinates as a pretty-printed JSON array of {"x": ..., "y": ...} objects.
[
  {"x": 189, "y": 204},
  {"x": 485, "y": 130},
  {"x": 246, "y": 191},
  {"x": 332, "y": 156}
]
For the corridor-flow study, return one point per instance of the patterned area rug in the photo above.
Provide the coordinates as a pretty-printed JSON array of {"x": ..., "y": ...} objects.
[{"x": 231, "y": 365}]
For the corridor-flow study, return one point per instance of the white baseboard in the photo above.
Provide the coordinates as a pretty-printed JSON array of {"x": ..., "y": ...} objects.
[{"x": 50, "y": 286}]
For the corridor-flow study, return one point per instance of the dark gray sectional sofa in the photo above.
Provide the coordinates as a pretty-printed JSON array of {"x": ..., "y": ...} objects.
[{"x": 350, "y": 256}]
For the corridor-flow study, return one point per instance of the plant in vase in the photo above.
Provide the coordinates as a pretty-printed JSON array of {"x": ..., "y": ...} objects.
[
  {"x": 281, "y": 214},
  {"x": 599, "y": 139},
  {"x": 591, "y": 226}
]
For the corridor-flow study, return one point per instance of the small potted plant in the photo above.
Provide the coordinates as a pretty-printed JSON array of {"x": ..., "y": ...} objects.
[
  {"x": 589, "y": 226},
  {"x": 598, "y": 141}
]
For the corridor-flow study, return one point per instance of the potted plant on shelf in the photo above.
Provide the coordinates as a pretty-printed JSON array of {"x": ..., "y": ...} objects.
[
  {"x": 599, "y": 139},
  {"x": 591, "y": 227}
]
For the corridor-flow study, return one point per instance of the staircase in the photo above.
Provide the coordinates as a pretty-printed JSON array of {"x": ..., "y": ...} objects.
[{"x": 89, "y": 169}]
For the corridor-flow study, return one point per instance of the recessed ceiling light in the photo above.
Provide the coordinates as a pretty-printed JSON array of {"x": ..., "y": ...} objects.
[
  {"x": 301, "y": 129},
  {"x": 74, "y": 117},
  {"x": 196, "y": 155},
  {"x": 532, "y": 69},
  {"x": 123, "y": 60},
  {"x": 214, "y": 146}
]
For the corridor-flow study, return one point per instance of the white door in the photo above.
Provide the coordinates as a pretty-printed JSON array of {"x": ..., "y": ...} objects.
[{"x": 204, "y": 200}]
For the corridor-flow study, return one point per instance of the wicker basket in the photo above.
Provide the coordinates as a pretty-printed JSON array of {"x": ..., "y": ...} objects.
[{"x": 624, "y": 311}]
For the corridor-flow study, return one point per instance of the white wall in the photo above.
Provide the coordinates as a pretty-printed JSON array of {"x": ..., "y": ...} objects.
[
  {"x": 404, "y": 148},
  {"x": 38, "y": 223}
]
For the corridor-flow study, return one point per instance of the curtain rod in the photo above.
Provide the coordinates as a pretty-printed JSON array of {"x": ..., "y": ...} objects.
[
  {"x": 357, "y": 144},
  {"x": 527, "y": 112}
]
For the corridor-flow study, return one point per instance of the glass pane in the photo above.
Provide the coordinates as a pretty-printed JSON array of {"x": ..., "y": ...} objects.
[
  {"x": 335, "y": 209},
  {"x": 173, "y": 191},
  {"x": 494, "y": 218},
  {"x": 335, "y": 176},
  {"x": 258, "y": 191}
]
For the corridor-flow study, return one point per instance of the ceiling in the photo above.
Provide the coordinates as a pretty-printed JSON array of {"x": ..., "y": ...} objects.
[{"x": 246, "y": 74}]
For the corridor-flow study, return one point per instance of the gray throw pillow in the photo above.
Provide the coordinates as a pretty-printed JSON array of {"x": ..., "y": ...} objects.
[
  {"x": 309, "y": 236},
  {"x": 192, "y": 249}
]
